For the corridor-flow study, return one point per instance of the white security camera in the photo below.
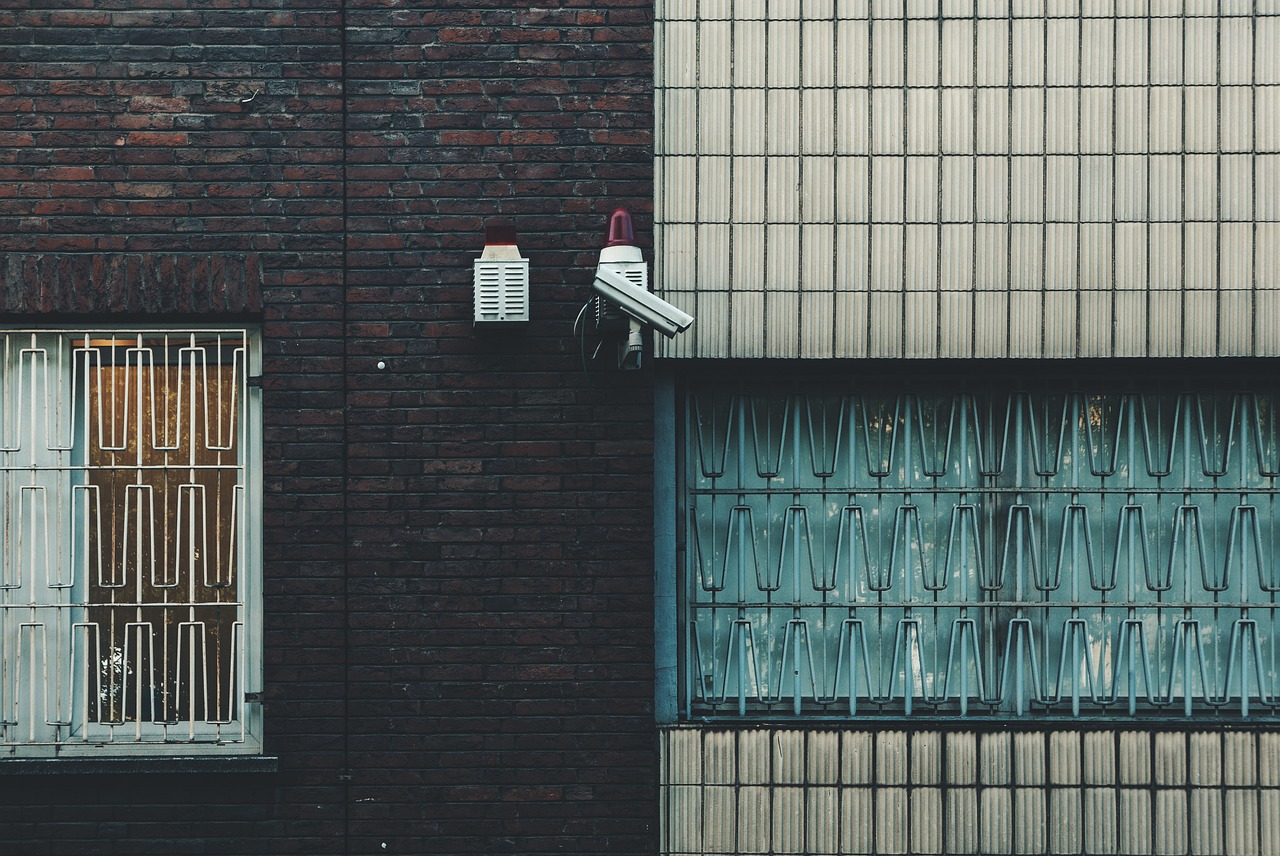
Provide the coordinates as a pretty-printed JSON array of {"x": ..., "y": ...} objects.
[{"x": 639, "y": 303}]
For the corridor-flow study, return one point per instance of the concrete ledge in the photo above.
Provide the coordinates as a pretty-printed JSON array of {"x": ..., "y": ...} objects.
[{"x": 152, "y": 764}]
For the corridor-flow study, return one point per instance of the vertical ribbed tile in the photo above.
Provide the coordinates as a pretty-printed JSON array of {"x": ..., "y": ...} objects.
[
  {"x": 920, "y": 336},
  {"x": 891, "y": 820},
  {"x": 1134, "y": 820},
  {"x": 817, "y": 332},
  {"x": 995, "y": 752},
  {"x": 680, "y": 134},
  {"x": 1029, "y": 758},
  {"x": 995, "y": 828},
  {"x": 1240, "y": 822},
  {"x": 1099, "y": 758},
  {"x": 926, "y": 820},
  {"x": 1100, "y": 832},
  {"x": 749, "y": 139},
  {"x": 823, "y": 753},
  {"x": 1171, "y": 822},
  {"x": 713, "y": 192},
  {"x": 852, "y": 247},
  {"x": 1269, "y": 821},
  {"x": 1205, "y": 759},
  {"x": 754, "y": 748},
  {"x": 1171, "y": 758},
  {"x": 711, "y": 338},
  {"x": 788, "y": 757},
  {"x": 851, "y": 324},
  {"x": 891, "y": 758},
  {"x": 683, "y": 756},
  {"x": 1239, "y": 759},
  {"x": 713, "y": 63},
  {"x": 782, "y": 323},
  {"x": 852, "y": 38},
  {"x": 1235, "y": 326},
  {"x": 715, "y": 128},
  {"x": 956, "y": 262},
  {"x": 856, "y": 758},
  {"x": 962, "y": 826},
  {"x": 962, "y": 820},
  {"x": 822, "y": 821},
  {"x": 719, "y": 819},
  {"x": 1065, "y": 824},
  {"x": 957, "y": 121},
  {"x": 782, "y": 199},
  {"x": 1029, "y": 830},
  {"x": 1060, "y": 324},
  {"x": 713, "y": 255},
  {"x": 1165, "y": 317},
  {"x": 1135, "y": 758},
  {"x": 993, "y": 53},
  {"x": 922, "y": 107},
  {"x": 962, "y": 758},
  {"x": 680, "y": 51},
  {"x": 995, "y": 757},
  {"x": 926, "y": 757},
  {"x": 664, "y": 800},
  {"x": 783, "y": 54},
  {"x": 956, "y": 324},
  {"x": 991, "y": 319},
  {"x": 754, "y": 816},
  {"x": 1064, "y": 821},
  {"x": 885, "y": 339},
  {"x": 749, "y": 40},
  {"x": 1268, "y": 64},
  {"x": 1060, "y": 248},
  {"x": 1200, "y": 310},
  {"x": 1267, "y": 273},
  {"x": 684, "y": 818},
  {"x": 664, "y": 754},
  {"x": 788, "y": 820},
  {"x": 817, "y": 67},
  {"x": 1235, "y": 257},
  {"x": 677, "y": 202},
  {"x": 1269, "y": 760},
  {"x": 1205, "y": 822},
  {"x": 856, "y": 821},
  {"x": 1026, "y": 322},
  {"x": 1201, "y": 191},
  {"x": 747, "y": 323},
  {"x": 1205, "y": 814},
  {"x": 1267, "y": 307}
]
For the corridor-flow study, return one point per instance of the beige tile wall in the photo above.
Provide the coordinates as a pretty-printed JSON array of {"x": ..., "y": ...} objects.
[
  {"x": 969, "y": 178},
  {"x": 781, "y": 791}
]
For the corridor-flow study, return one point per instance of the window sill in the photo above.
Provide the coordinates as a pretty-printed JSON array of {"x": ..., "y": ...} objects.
[{"x": 155, "y": 764}]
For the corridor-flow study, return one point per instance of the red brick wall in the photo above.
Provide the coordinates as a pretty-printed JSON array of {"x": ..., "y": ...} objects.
[{"x": 458, "y": 546}]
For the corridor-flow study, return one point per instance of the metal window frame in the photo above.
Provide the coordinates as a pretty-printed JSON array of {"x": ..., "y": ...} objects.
[
  {"x": 673, "y": 446},
  {"x": 246, "y": 738}
]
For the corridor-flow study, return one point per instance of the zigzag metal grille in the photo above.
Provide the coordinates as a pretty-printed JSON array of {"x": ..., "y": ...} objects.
[
  {"x": 123, "y": 478},
  {"x": 1028, "y": 553}
]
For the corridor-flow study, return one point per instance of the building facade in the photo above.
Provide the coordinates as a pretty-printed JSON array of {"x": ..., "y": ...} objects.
[
  {"x": 948, "y": 527},
  {"x": 973, "y": 518}
]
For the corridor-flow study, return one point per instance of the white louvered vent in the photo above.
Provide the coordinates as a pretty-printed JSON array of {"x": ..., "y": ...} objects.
[{"x": 501, "y": 291}]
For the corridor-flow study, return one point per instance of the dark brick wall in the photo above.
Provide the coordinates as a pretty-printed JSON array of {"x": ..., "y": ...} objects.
[{"x": 458, "y": 546}]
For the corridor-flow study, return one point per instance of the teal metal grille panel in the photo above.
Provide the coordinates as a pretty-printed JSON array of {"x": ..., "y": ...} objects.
[{"x": 1041, "y": 553}]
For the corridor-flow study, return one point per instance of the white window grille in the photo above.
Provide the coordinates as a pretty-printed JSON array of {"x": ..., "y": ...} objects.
[
  {"x": 129, "y": 580},
  {"x": 1056, "y": 552}
]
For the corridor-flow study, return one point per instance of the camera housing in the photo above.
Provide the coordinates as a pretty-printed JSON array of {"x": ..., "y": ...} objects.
[{"x": 637, "y": 302}]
